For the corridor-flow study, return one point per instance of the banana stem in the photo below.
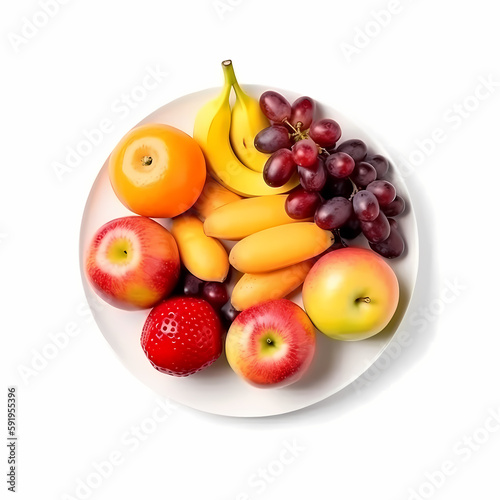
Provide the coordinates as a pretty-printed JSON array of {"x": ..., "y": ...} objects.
[{"x": 229, "y": 76}]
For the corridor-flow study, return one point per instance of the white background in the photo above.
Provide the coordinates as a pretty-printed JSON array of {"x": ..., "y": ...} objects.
[{"x": 384, "y": 438}]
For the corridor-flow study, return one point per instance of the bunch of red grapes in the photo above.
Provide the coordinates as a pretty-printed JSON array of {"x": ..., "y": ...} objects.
[{"x": 342, "y": 186}]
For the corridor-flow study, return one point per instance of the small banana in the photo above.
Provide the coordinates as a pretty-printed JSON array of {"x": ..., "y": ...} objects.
[
  {"x": 247, "y": 120},
  {"x": 211, "y": 132},
  {"x": 279, "y": 247},
  {"x": 257, "y": 287},
  {"x": 203, "y": 256},
  {"x": 213, "y": 196},
  {"x": 247, "y": 216}
]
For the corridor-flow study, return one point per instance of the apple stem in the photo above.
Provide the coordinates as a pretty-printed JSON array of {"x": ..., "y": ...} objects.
[
  {"x": 146, "y": 161},
  {"x": 367, "y": 300},
  {"x": 269, "y": 341}
]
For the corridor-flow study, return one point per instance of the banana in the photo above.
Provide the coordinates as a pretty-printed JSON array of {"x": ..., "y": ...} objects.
[
  {"x": 247, "y": 120},
  {"x": 279, "y": 247},
  {"x": 254, "y": 288},
  {"x": 211, "y": 132},
  {"x": 213, "y": 196},
  {"x": 203, "y": 256},
  {"x": 247, "y": 216}
]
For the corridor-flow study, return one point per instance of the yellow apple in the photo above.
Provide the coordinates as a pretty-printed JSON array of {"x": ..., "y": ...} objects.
[{"x": 351, "y": 294}]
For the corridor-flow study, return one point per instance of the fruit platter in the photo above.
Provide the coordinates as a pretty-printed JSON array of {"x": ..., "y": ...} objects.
[{"x": 248, "y": 251}]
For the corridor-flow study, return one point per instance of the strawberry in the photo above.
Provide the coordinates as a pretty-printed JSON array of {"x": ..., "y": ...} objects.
[{"x": 182, "y": 335}]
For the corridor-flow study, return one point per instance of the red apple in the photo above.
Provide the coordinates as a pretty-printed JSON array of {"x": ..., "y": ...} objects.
[
  {"x": 271, "y": 344},
  {"x": 351, "y": 294},
  {"x": 133, "y": 262}
]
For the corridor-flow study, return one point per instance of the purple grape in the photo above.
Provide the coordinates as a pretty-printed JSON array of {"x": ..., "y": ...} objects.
[
  {"x": 275, "y": 106},
  {"x": 351, "y": 229},
  {"x": 279, "y": 168},
  {"x": 333, "y": 214},
  {"x": 313, "y": 178},
  {"x": 303, "y": 112},
  {"x": 380, "y": 163},
  {"x": 391, "y": 247},
  {"x": 395, "y": 208},
  {"x": 355, "y": 148},
  {"x": 339, "y": 165},
  {"x": 215, "y": 294},
  {"x": 365, "y": 206},
  {"x": 363, "y": 174},
  {"x": 337, "y": 187},
  {"x": 325, "y": 132},
  {"x": 376, "y": 230},
  {"x": 228, "y": 313},
  {"x": 272, "y": 138},
  {"x": 302, "y": 204},
  {"x": 305, "y": 153},
  {"x": 384, "y": 191},
  {"x": 192, "y": 285}
]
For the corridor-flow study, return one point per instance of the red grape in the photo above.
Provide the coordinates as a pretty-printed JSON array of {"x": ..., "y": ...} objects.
[
  {"x": 383, "y": 190},
  {"x": 394, "y": 208},
  {"x": 363, "y": 174},
  {"x": 279, "y": 168},
  {"x": 272, "y": 138},
  {"x": 302, "y": 204},
  {"x": 313, "y": 178},
  {"x": 376, "y": 230},
  {"x": 303, "y": 112},
  {"x": 325, "y": 132},
  {"x": 275, "y": 106},
  {"x": 355, "y": 148},
  {"x": 365, "y": 206},
  {"x": 215, "y": 294},
  {"x": 380, "y": 163},
  {"x": 333, "y": 214},
  {"x": 339, "y": 165},
  {"x": 391, "y": 247},
  {"x": 305, "y": 153}
]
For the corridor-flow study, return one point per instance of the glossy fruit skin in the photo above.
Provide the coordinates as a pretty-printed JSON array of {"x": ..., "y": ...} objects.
[
  {"x": 313, "y": 178},
  {"x": 302, "y": 111},
  {"x": 148, "y": 270},
  {"x": 203, "y": 256},
  {"x": 279, "y": 247},
  {"x": 325, "y": 132},
  {"x": 333, "y": 213},
  {"x": 301, "y": 204},
  {"x": 335, "y": 290},
  {"x": 275, "y": 106},
  {"x": 273, "y": 138},
  {"x": 242, "y": 218},
  {"x": 167, "y": 190},
  {"x": 251, "y": 289},
  {"x": 215, "y": 294},
  {"x": 286, "y": 358},
  {"x": 355, "y": 148},
  {"x": 279, "y": 168},
  {"x": 182, "y": 336}
]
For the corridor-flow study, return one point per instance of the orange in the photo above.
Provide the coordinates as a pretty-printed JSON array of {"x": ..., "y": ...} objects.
[{"x": 157, "y": 170}]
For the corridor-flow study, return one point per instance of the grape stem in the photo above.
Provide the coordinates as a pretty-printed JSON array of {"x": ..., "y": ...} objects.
[
  {"x": 336, "y": 233},
  {"x": 355, "y": 189}
]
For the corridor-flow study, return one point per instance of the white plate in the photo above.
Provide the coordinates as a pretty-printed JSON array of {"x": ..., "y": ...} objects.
[{"x": 218, "y": 389}]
